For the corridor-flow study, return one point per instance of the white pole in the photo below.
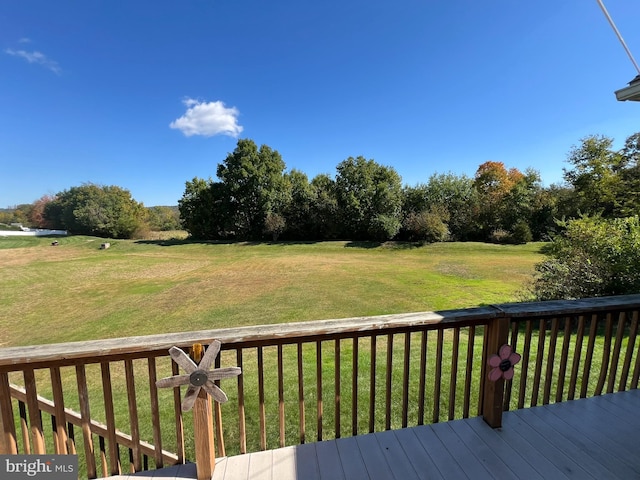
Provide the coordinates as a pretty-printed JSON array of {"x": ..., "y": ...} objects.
[{"x": 613, "y": 25}]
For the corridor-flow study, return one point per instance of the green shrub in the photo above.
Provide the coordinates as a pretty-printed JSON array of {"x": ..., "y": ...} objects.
[{"x": 593, "y": 257}]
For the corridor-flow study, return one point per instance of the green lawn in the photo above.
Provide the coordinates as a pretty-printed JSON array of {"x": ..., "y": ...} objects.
[{"x": 75, "y": 291}]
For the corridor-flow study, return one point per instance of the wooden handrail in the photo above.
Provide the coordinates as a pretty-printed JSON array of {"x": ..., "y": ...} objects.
[{"x": 93, "y": 351}]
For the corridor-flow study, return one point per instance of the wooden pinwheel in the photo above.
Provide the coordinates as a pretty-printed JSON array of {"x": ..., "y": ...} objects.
[{"x": 199, "y": 376}]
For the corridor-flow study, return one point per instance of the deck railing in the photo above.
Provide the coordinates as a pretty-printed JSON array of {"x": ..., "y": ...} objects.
[{"x": 311, "y": 381}]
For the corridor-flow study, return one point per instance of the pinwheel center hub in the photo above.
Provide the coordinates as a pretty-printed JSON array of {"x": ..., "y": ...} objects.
[
  {"x": 505, "y": 365},
  {"x": 198, "y": 378}
]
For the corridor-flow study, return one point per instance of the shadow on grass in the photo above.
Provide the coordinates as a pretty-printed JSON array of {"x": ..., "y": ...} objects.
[
  {"x": 386, "y": 245},
  {"x": 241, "y": 243}
]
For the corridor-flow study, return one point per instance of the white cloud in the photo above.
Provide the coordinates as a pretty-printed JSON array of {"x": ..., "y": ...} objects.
[
  {"x": 36, "y": 57},
  {"x": 208, "y": 119},
  {"x": 24, "y": 40}
]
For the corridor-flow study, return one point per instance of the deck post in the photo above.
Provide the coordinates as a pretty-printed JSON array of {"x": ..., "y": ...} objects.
[
  {"x": 203, "y": 428},
  {"x": 492, "y": 403}
]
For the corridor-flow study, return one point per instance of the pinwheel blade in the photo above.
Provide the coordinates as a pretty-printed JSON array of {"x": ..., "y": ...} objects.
[
  {"x": 226, "y": 372},
  {"x": 210, "y": 355},
  {"x": 173, "y": 381},
  {"x": 214, "y": 390},
  {"x": 182, "y": 359},
  {"x": 190, "y": 398}
]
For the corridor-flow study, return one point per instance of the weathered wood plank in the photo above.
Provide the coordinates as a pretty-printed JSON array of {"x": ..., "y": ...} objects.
[
  {"x": 613, "y": 370},
  {"x": 562, "y": 373},
  {"x": 524, "y": 372}
]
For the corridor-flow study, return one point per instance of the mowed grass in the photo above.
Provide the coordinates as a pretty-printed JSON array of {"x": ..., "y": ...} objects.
[{"x": 75, "y": 291}]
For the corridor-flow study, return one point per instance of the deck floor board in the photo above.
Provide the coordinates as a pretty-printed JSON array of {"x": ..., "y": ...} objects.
[{"x": 583, "y": 439}]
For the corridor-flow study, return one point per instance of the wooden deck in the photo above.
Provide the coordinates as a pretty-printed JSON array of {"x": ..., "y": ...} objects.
[{"x": 596, "y": 438}]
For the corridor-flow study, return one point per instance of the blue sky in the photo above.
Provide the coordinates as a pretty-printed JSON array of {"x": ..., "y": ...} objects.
[{"x": 149, "y": 94}]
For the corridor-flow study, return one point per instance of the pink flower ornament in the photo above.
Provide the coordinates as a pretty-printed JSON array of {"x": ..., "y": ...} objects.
[{"x": 503, "y": 363}]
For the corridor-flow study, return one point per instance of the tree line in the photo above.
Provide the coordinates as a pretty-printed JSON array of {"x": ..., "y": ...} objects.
[{"x": 254, "y": 198}]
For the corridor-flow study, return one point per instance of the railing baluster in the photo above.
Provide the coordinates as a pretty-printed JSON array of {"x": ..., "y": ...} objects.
[
  {"x": 9, "y": 443},
  {"x": 405, "y": 379},
  {"x": 103, "y": 456},
  {"x": 24, "y": 427},
  {"x": 633, "y": 331},
  {"x": 483, "y": 370},
  {"x": 58, "y": 400},
  {"x": 319, "y": 387},
  {"x": 136, "y": 458},
  {"x": 622, "y": 317},
  {"x": 85, "y": 417},
  {"x": 454, "y": 373},
  {"x": 110, "y": 416},
  {"x": 389, "y": 370},
  {"x": 281, "y": 397},
  {"x": 564, "y": 358},
  {"x": 242, "y": 424},
  {"x": 72, "y": 439},
  {"x": 337, "y": 386},
  {"x": 551, "y": 357},
  {"x": 509, "y": 383},
  {"x": 593, "y": 330},
  {"x": 606, "y": 354},
  {"x": 155, "y": 412},
  {"x": 577, "y": 355},
  {"x": 261, "y": 408},
  {"x": 372, "y": 384},
  {"x": 177, "y": 412},
  {"x": 422, "y": 376},
  {"x": 301, "y": 413},
  {"x": 636, "y": 370},
  {"x": 468, "y": 379},
  {"x": 354, "y": 388},
  {"x": 539, "y": 359},
  {"x": 35, "y": 420},
  {"x": 217, "y": 416},
  {"x": 438, "y": 377}
]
